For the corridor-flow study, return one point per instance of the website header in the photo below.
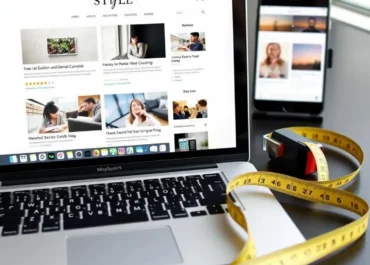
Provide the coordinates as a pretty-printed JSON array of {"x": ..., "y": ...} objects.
[{"x": 298, "y": 11}]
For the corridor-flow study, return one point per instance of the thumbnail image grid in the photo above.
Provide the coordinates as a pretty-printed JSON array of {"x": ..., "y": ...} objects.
[
  {"x": 64, "y": 114},
  {"x": 286, "y": 23},
  {"x": 136, "y": 110},
  {"x": 59, "y": 45},
  {"x": 188, "y": 42},
  {"x": 189, "y": 142},
  {"x": 190, "y": 109},
  {"x": 125, "y": 42},
  {"x": 274, "y": 60}
]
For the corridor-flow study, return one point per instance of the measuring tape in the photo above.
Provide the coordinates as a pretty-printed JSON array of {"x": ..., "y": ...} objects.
[{"x": 323, "y": 191}]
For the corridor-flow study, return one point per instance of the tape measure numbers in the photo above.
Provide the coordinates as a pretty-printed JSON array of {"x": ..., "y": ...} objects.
[{"x": 323, "y": 191}]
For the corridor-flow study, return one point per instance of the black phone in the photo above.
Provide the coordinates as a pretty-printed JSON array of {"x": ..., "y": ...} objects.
[{"x": 291, "y": 55}]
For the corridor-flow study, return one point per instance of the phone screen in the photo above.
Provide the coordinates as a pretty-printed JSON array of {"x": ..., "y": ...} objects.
[
  {"x": 184, "y": 145},
  {"x": 291, "y": 51}
]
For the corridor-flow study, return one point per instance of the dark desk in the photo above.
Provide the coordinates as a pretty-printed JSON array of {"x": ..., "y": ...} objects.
[{"x": 347, "y": 112}]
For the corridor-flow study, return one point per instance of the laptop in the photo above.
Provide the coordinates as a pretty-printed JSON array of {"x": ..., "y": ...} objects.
[{"x": 123, "y": 122}]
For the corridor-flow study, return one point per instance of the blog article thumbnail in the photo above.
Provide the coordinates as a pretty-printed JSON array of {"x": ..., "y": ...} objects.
[
  {"x": 124, "y": 42},
  {"x": 188, "y": 142},
  {"x": 188, "y": 42},
  {"x": 136, "y": 110},
  {"x": 276, "y": 23},
  {"x": 190, "y": 109},
  {"x": 59, "y": 45},
  {"x": 307, "y": 57},
  {"x": 63, "y": 114},
  {"x": 274, "y": 60},
  {"x": 311, "y": 24}
]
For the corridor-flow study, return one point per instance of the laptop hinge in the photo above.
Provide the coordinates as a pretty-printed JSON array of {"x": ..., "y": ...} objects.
[{"x": 81, "y": 174}]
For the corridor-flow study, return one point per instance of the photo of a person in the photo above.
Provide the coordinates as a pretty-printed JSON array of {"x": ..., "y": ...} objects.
[
  {"x": 92, "y": 107},
  {"x": 139, "y": 117},
  {"x": 63, "y": 114},
  {"x": 53, "y": 120},
  {"x": 187, "y": 112},
  {"x": 133, "y": 42},
  {"x": 148, "y": 109},
  {"x": 136, "y": 48},
  {"x": 202, "y": 109},
  {"x": 197, "y": 110},
  {"x": 311, "y": 26},
  {"x": 188, "y": 42},
  {"x": 273, "y": 64},
  {"x": 306, "y": 24},
  {"x": 177, "y": 113}
]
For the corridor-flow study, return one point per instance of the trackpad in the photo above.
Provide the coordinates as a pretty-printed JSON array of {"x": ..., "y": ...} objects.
[{"x": 140, "y": 247}]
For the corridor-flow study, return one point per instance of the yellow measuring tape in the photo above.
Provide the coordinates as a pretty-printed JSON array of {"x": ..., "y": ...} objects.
[{"x": 323, "y": 191}]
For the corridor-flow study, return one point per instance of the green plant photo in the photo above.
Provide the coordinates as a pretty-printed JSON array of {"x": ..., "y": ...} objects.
[{"x": 61, "y": 46}]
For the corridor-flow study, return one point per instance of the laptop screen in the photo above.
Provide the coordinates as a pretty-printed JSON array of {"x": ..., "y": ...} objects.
[{"x": 89, "y": 79}]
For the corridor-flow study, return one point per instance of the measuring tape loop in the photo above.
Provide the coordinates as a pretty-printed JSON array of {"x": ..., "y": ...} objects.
[{"x": 322, "y": 191}]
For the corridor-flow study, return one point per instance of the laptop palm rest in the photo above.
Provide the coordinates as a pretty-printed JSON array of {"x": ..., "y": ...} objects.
[{"x": 140, "y": 247}]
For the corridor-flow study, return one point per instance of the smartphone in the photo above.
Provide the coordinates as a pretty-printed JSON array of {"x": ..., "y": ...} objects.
[
  {"x": 184, "y": 145},
  {"x": 291, "y": 55},
  {"x": 192, "y": 144}
]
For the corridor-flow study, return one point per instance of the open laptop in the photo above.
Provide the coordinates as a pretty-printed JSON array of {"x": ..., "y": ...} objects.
[{"x": 122, "y": 123}]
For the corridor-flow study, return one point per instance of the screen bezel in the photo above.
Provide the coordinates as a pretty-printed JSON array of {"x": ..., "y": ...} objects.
[
  {"x": 291, "y": 106},
  {"x": 74, "y": 169}
]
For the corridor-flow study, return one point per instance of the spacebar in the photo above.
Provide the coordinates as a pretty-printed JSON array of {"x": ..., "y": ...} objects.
[{"x": 105, "y": 220}]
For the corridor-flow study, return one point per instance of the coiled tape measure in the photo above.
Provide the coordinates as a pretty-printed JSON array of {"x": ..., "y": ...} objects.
[{"x": 299, "y": 150}]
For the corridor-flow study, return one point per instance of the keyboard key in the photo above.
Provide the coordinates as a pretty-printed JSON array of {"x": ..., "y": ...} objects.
[
  {"x": 154, "y": 200},
  {"x": 117, "y": 187},
  {"x": 94, "y": 199},
  {"x": 212, "y": 177},
  {"x": 31, "y": 205},
  {"x": 10, "y": 230},
  {"x": 159, "y": 214},
  {"x": 98, "y": 189},
  {"x": 51, "y": 218},
  {"x": 50, "y": 226},
  {"x": 130, "y": 196},
  {"x": 98, "y": 206},
  {"x": 32, "y": 220},
  {"x": 70, "y": 217},
  {"x": 152, "y": 184},
  {"x": 198, "y": 213},
  {"x": 179, "y": 213},
  {"x": 36, "y": 212},
  {"x": 118, "y": 210},
  {"x": 40, "y": 192},
  {"x": 137, "y": 202},
  {"x": 60, "y": 193},
  {"x": 57, "y": 210},
  {"x": 41, "y": 195},
  {"x": 133, "y": 186},
  {"x": 78, "y": 191},
  {"x": 5, "y": 198},
  {"x": 30, "y": 228},
  {"x": 190, "y": 203},
  {"x": 215, "y": 209}
]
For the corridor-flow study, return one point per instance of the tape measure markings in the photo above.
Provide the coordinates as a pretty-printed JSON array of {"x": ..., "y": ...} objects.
[{"x": 323, "y": 191}]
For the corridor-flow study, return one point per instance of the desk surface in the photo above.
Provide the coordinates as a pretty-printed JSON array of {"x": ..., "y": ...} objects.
[{"x": 347, "y": 106}]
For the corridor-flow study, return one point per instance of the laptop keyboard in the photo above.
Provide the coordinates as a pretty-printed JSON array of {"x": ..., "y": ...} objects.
[{"x": 50, "y": 210}]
